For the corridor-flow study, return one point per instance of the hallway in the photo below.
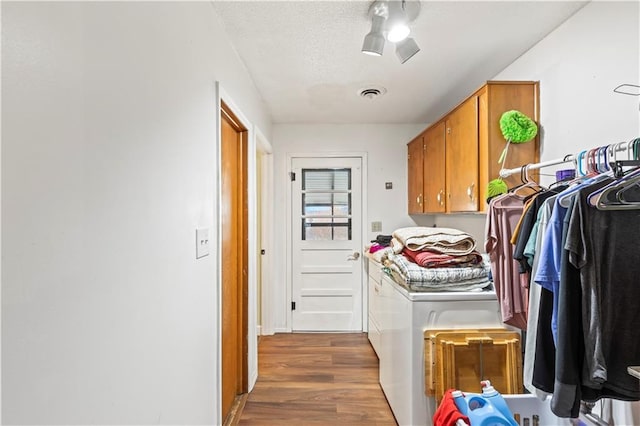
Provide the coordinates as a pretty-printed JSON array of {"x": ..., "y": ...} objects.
[{"x": 317, "y": 379}]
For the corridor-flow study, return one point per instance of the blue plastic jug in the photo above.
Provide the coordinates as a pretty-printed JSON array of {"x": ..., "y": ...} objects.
[{"x": 486, "y": 409}]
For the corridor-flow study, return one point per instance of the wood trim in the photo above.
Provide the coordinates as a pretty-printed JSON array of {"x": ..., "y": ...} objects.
[
  {"x": 233, "y": 119},
  {"x": 536, "y": 107},
  {"x": 244, "y": 296},
  {"x": 415, "y": 174},
  {"x": 242, "y": 268},
  {"x": 483, "y": 147},
  {"x": 237, "y": 408}
]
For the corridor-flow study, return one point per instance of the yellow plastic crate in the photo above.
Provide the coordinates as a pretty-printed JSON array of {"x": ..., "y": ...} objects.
[{"x": 460, "y": 359}]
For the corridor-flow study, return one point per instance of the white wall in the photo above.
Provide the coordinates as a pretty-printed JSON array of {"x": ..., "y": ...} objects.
[
  {"x": 578, "y": 66},
  {"x": 386, "y": 148},
  {"x": 108, "y": 167}
]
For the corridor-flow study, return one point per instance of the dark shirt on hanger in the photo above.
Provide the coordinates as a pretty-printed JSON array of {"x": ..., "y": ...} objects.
[
  {"x": 528, "y": 221},
  {"x": 598, "y": 337}
]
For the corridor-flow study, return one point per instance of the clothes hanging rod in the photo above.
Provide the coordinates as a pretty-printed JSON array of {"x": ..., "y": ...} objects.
[
  {"x": 504, "y": 173},
  {"x": 534, "y": 166}
]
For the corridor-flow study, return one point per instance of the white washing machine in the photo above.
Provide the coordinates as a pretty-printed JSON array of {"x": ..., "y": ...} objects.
[{"x": 403, "y": 317}]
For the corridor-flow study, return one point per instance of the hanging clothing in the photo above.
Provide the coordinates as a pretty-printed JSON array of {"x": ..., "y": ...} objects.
[
  {"x": 584, "y": 299},
  {"x": 529, "y": 219},
  {"x": 511, "y": 287},
  {"x": 535, "y": 293},
  {"x": 598, "y": 333}
]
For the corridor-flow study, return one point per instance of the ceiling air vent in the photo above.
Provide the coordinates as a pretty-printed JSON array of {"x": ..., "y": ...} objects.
[{"x": 372, "y": 93}]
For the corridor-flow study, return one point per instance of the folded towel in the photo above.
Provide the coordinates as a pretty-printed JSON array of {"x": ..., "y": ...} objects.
[
  {"x": 439, "y": 240},
  {"x": 413, "y": 273},
  {"x": 475, "y": 285},
  {"x": 430, "y": 259}
]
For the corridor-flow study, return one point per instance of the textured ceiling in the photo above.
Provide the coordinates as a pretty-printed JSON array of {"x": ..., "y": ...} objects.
[{"x": 305, "y": 59}]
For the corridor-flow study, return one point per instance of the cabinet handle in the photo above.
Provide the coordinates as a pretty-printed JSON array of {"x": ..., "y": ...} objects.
[
  {"x": 470, "y": 191},
  {"x": 419, "y": 200},
  {"x": 439, "y": 197}
]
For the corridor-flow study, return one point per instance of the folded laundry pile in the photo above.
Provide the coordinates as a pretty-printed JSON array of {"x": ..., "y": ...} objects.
[
  {"x": 436, "y": 259},
  {"x": 439, "y": 240}
]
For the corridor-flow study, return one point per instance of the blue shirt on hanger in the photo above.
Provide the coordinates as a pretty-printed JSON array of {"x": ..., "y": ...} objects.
[{"x": 548, "y": 274}]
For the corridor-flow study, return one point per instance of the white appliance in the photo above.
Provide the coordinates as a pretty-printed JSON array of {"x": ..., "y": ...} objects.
[{"x": 397, "y": 334}]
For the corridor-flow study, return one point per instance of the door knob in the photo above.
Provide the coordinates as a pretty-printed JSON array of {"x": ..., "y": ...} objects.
[{"x": 354, "y": 256}]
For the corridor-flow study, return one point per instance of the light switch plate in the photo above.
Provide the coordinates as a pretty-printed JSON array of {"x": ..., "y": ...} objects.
[
  {"x": 376, "y": 226},
  {"x": 202, "y": 242}
]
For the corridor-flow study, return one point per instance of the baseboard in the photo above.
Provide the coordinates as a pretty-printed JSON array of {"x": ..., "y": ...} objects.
[
  {"x": 233, "y": 418},
  {"x": 253, "y": 380}
]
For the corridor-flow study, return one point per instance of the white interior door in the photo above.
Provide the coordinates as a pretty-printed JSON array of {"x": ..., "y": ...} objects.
[{"x": 326, "y": 232}]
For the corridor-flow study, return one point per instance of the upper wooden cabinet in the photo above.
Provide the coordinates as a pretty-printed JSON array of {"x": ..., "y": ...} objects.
[
  {"x": 433, "y": 165},
  {"x": 415, "y": 175},
  {"x": 460, "y": 151},
  {"x": 462, "y": 157}
]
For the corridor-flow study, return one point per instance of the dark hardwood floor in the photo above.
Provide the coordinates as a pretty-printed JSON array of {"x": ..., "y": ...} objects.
[{"x": 316, "y": 379}]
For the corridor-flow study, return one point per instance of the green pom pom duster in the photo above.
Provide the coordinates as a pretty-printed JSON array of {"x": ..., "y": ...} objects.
[
  {"x": 495, "y": 188},
  {"x": 516, "y": 128}
]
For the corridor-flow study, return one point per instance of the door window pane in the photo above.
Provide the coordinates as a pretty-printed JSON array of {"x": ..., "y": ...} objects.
[
  {"x": 326, "y": 204},
  {"x": 326, "y": 229},
  {"x": 324, "y": 179}
]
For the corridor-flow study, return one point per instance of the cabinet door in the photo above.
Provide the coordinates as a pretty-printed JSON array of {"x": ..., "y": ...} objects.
[
  {"x": 434, "y": 169},
  {"x": 462, "y": 157},
  {"x": 415, "y": 175}
]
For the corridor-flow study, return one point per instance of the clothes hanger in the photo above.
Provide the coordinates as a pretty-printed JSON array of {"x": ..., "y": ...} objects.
[
  {"x": 613, "y": 153},
  {"x": 611, "y": 196},
  {"x": 599, "y": 196},
  {"x": 527, "y": 183},
  {"x": 564, "y": 198},
  {"x": 602, "y": 164},
  {"x": 589, "y": 173},
  {"x": 522, "y": 183},
  {"x": 624, "y": 189}
]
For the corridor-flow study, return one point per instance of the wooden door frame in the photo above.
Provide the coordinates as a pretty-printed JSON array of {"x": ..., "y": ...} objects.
[
  {"x": 286, "y": 304},
  {"x": 248, "y": 363}
]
